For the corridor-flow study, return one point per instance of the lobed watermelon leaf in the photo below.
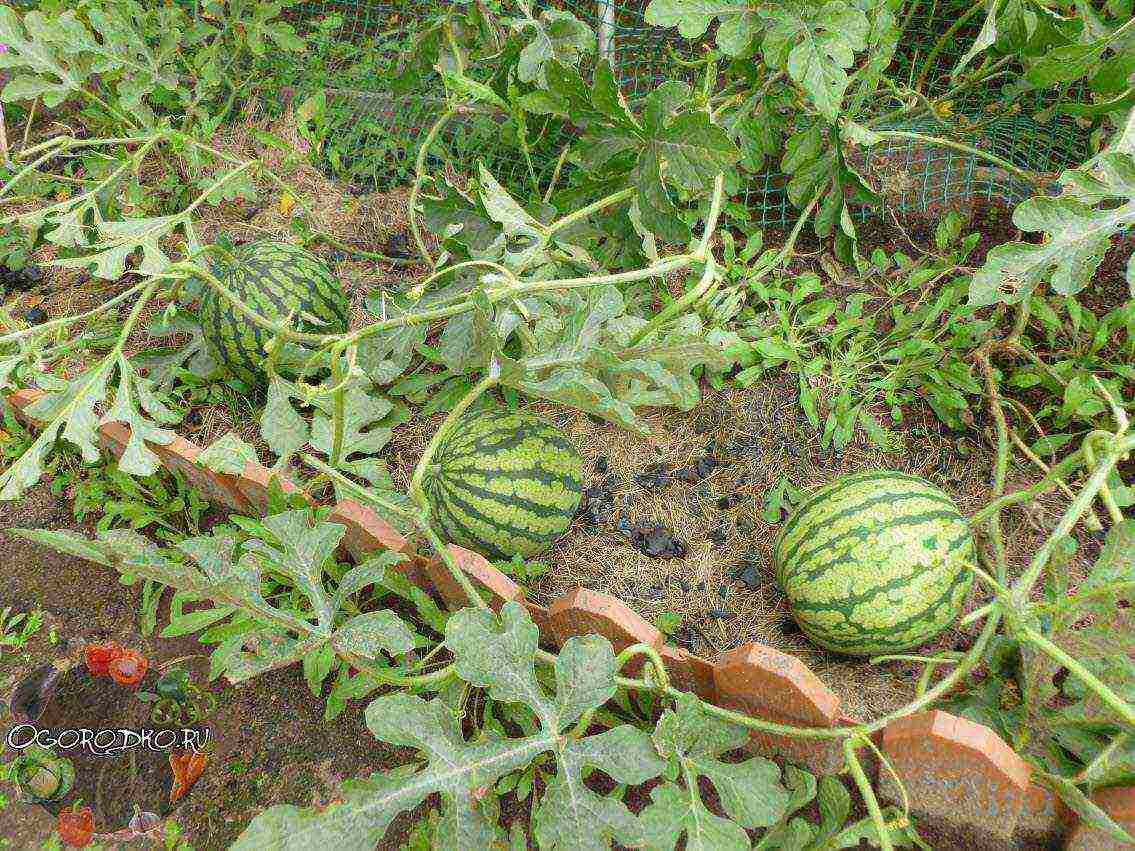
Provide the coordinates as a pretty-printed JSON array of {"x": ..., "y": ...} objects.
[{"x": 750, "y": 792}]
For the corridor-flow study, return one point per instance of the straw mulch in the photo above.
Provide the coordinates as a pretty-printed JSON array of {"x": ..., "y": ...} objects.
[{"x": 758, "y": 436}]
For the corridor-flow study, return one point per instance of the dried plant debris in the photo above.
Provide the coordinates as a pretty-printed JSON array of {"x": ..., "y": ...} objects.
[{"x": 722, "y": 496}]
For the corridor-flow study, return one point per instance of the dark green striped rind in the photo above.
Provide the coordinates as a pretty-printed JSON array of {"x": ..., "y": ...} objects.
[
  {"x": 505, "y": 484},
  {"x": 875, "y": 563},
  {"x": 275, "y": 279}
]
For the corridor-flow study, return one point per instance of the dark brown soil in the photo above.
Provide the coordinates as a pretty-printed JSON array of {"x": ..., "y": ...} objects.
[{"x": 270, "y": 743}]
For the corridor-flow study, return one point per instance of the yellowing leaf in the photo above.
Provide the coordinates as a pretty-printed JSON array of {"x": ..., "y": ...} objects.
[{"x": 287, "y": 204}]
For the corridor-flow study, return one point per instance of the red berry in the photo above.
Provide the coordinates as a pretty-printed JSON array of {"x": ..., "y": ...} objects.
[
  {"x": 128, "y": 668},
  {"x": 76, "y": 827},
  {"x": 98, "y": 657}
]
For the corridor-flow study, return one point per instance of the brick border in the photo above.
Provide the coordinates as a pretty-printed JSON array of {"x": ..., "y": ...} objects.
[{"x": 960, "y": 776}]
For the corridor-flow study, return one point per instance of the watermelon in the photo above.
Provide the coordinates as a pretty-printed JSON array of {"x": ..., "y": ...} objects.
[
  {"x": 276, "y": 279},
  {"x": 503, "y": 484},
  {"x": 875, "y": 563}
]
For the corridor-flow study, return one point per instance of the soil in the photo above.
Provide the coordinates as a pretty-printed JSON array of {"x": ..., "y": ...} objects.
[{"x": 269, "y": 741}]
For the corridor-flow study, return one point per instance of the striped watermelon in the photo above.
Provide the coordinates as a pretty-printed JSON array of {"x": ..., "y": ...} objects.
[
  {"x": 875, "y": 563},
  {"x": 503, "y": 484},
  {"x": 276, "y": 279}
]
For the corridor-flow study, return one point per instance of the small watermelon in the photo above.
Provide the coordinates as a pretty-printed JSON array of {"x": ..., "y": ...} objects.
[
  {"x": 874, "y": 563},
  {"x": 503, "y": 484},
  {"x": 276, "y": 279}
]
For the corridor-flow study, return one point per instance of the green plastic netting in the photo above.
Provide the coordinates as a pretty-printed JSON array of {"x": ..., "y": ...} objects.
[{"x": 374, "y": 133}]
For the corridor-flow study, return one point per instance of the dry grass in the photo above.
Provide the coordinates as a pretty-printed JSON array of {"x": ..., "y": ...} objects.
[
  {"x": 699, "y": 585},
  {"x": 721, "y": 613}
]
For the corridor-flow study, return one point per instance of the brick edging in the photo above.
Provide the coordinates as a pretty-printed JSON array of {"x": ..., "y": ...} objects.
[{"x": 960, "y": 776}]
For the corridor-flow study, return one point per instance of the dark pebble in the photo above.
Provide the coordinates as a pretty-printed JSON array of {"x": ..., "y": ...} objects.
[
  {"x": 747, "y": 575},
  {"x": 657, "y": 542},
  {"x": 720, "y": 614},
  {"x": 398, "y": 246},
  {"x": 789, "y": 627},
  {"x": 35, "y": 316},
  {"x": 653, "y": 477},
  {"x": 601, "y": 464},
  {"x": 723, "y": 502},
  {"x": 192, "y": 418}
]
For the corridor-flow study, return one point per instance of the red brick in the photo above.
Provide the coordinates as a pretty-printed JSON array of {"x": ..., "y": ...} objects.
[
  {"x": 20, "y": 400},
  {"x": 778, "y": 687},
  {"x": 219, "y": 488},
  {"x": 583, "y": 612},
  {"x": 539, "y": 615},
  {"x": 964, "y": 782},
  {"x": 689, "y": 672},
  {"x": 253, "y": 486},
  {"x": 367, "y": 533},
  {"x": 1045, "y": 820},
  {"x": 481, "y": 573},
  {"x": 1119, "y": 803}
]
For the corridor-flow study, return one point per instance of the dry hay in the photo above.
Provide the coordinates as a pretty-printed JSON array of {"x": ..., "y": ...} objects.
[{"x": 777, "y": 442}]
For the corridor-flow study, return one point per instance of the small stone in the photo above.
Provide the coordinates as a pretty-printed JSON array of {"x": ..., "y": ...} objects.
[
  {"x": 653, "y": 477},
  {"x": 35, "y": 316},
  {"x": 657, "y": 542},
  {"x": 723, "y": 503},
  {"x": 601, "y": 464},
  {"x": 789, "y": 627},
  {"x": 747, "y": 575},
  {"x": 719, "y": 614},
  {"x": 398, "y": 247}
]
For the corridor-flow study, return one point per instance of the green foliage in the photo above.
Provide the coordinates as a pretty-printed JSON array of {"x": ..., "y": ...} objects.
[
  {"x": 138, "y": 58},
  {"x": 750, "y": 792},
  {"x": 17, "y": 629},
  {"x": 1098, "y": 202},
  {"x": 499, "y": 657}
]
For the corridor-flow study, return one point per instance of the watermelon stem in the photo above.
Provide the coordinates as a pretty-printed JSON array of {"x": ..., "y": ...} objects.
[
  {"x": 426, "y": 461},
  {"x": 850, "y": 745}
]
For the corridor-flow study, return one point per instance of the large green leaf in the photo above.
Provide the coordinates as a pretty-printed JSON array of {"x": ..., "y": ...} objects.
[
  {"x": 750, "y": 792},
  {"x": 816, "y": 46},
  {"x": 1077, "y": 228},
  {"x": 497, "y": 654}
]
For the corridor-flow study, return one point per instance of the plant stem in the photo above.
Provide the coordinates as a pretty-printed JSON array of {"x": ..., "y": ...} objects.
[
  {"x": 1121, "y": 707},
  {"x": 701, "y": 254},
  {"x": 1096, "y": 480},
  {"x": 1055, "y": 473},
  {"x": 419, "y": 178},
  {"x": 63, "y": 321},
  {"x": 556, "y": 173},
  {"x": 868, "y": 794},
  {"x": 482, "y": 386},
  {"x": 939, "y": 141},
  {"x": 946, "y": 37},
  {"x": 584, "y": 212},
  {"x": 475, "y": 599},
  {"x": 649, "y": 652}
]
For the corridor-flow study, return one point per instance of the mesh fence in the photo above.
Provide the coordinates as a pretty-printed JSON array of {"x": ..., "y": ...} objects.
[{"x": 374, "y": 132}]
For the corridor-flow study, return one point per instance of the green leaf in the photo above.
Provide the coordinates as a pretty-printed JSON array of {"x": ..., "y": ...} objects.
[
  {"x": 1084, "y": 807},
  {"x": 816, "y": 46},
  {"x": 738, "y": 21},
  {"x": 985, "y": 37},
  {"x": 498, "y": 655},
  {"x": 67, "y": 408},
  {"x": 367, "y": 634},
  {"x": 363, "y": 429},
  {"x": 65, "y": 542},
  {"x": 555, "y": 35},
  {"x": 227, "y": 454},
  {"x": 1077, "y": 234},
  {"x": 281, "y": 426},
  {"x": 750, "y": 792}
]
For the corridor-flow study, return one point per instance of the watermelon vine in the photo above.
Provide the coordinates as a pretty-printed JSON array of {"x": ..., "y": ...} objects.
[{"x": 540, "y": 291}]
